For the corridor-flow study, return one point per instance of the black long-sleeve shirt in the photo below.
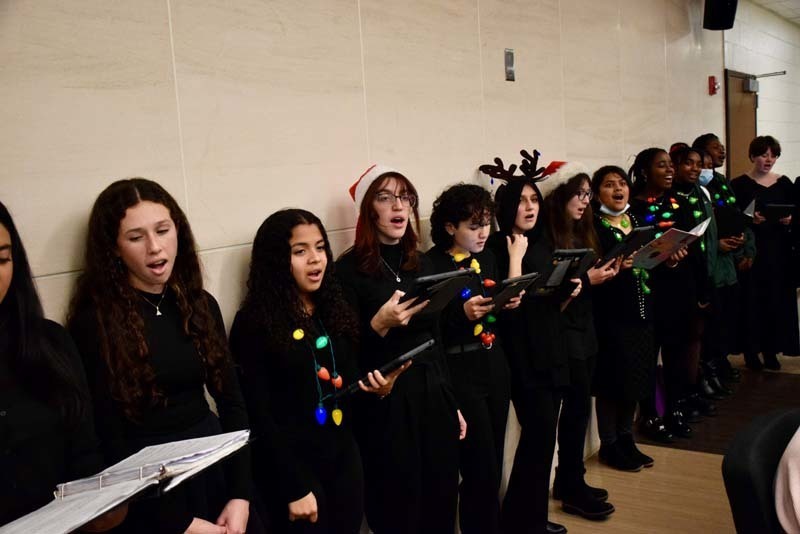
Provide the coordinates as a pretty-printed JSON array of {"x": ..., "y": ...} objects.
[
  {"x": 281, "y": 392},
  {"x": 181, "y": 376},
  {"x": 38, "y": 450}
]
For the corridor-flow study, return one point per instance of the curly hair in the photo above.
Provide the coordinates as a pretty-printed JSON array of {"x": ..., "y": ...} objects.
[
  {"x": 104, "y": 287},
  {"x": 458, "y": 203},
  {"x": 42, "y": 366},
  {"x": 641, "y": 166},
  {"x": 273, "y": 303},
  {"x": 566, "y": 232},
  {"x": 367, "y": 244}
]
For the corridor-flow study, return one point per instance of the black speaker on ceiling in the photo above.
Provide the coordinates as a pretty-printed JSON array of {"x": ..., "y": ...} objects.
[{"x": 719, "y": 14}]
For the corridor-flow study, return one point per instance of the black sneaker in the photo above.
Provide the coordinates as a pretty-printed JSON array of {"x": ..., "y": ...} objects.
[
  {"x": 629, "y": 447},
  {"x": 613, "y": 456},
  {"x": 597, "y": 493},
  {"x": 676, "y": 424}
]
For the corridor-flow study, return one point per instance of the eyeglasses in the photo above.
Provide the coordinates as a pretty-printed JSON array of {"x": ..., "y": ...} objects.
[
  {"x": 407, "y": 200},
  {"x": 584, "y": 195}
]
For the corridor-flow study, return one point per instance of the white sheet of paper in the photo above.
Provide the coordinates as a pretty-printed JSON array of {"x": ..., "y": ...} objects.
[{"x": 660, "y": 249}]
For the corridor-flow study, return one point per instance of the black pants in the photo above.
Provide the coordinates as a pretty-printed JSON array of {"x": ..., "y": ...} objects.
[
  {"x": 527, "y": 497},
  {"x": 338, "y": 486},
  {"x": 614, "y": 418},
  {"x": 409, "y": 443},
  {"x": 574, "y": 420},
  {"x": 483, "y": 398}
]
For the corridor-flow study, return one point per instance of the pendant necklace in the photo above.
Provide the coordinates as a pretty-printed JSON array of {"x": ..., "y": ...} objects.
[
  {"x": 396, "y": 274},
  {"x": 156, "y": 306}
]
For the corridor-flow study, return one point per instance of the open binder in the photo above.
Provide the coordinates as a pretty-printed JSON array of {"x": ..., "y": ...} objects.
[
  {"x": 660, "y": 249},
  {"x": 79, "y": 501}
]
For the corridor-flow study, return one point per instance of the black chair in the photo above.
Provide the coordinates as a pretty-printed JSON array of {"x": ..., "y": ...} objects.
[{"x": 749, "y": 470}]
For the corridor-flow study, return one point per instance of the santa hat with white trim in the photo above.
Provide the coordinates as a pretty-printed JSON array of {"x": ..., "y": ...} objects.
[
  {"x": 360, "y": 187},
  {"x": 559, "y": 173}
]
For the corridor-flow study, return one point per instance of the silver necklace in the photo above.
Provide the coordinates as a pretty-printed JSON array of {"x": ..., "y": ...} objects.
[
  {"x": 396, "y": 274},
  {"x": 156, "y": 306}
]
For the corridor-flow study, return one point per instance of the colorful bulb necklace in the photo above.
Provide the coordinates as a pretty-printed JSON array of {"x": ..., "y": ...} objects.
[
  {"x": 482, "y": 329},
  {"x": 693, "y": 197},
  {"x": 641, "y": 275},
  {"x": 660, "y": 213},
  {"x": 322, "y": 374}
]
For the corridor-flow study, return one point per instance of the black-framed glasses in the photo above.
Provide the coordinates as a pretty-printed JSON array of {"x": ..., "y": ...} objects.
[
  {"x": 584, "y": 195},
  {"x": 406, "y": 199}
]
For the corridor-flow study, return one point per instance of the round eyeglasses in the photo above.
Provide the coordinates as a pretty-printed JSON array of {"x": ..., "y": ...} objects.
[{"x": 406, "y": 199}]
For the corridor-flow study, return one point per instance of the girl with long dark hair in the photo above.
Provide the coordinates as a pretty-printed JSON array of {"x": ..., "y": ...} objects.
[
  {"x": 570, "y": 225},
  {"x": 152, "y": 339},
  {"x": 409, "y": 440},
  {"x": 46, "y": 428},
  {"x": 460, "y": 223},
  {"x": 534, "y": 344},
  {"x": 295, "y": 338}
]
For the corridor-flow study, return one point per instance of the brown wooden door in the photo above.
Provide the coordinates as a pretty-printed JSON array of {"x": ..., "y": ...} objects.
[{"x": 740, "y": 122}]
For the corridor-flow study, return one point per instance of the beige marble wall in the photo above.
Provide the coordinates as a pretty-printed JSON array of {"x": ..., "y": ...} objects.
[
  {"x": 761, "y": 42},
  {"x": 241, "y": 109}
]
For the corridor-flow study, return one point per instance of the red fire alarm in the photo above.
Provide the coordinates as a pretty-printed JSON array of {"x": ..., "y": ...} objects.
[{"x": 713, "y": 85}]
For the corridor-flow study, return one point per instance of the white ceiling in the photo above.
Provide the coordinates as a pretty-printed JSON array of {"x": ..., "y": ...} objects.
[{"x": 788, "y": 9}]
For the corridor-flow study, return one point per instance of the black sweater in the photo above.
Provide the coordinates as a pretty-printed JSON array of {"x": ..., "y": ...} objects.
[
  {"x": 181, "y": 376},
  {"x": 281, "y": 392},
  {"x": 37, "y": 449}
]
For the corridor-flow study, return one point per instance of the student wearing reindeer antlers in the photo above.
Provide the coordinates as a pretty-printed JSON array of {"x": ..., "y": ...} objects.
[{"x": 535, "y": 347}]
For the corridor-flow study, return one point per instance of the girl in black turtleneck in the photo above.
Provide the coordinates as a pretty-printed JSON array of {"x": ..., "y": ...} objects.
[
  {"x": 409, "y": 440},
  {"x": 534, "y": 344},
  {"x": 46, "y": 430},
  {"x": 294, "y": 338},
  {"x": 152, "y": 339}
]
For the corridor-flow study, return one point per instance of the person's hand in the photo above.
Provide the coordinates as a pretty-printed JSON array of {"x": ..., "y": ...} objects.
[
  {"x": 394, "y": 313},
  {"x": 577, "y": 290},
  {"x": 462, "y": 426},
  {"x": 514, "y": 303},
  {"x": 107, "y": 521},
  {"x": 234, "y": 516},
  {"x": 703, "y": 305},
  {"x": 627, "y": 263},
  {"x": 677, "y": 256},
  {"x": 304, "y": 509},
  {"x": 785, "y": 220},
  {"x": 477, "y": 306},
  {"x": 744, "y": 264},
  {"x": 201, "y": 526},
  {"x": 727, "y": 244},
  {"x": 602, "y": 273},
  {"x": 758, "y": 218},
  {"x": 382, "y": 385},
  {"x": 516, "y": 247}
]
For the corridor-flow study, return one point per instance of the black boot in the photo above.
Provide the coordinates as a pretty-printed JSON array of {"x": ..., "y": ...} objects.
[
  {"x": 598, "y": 493},
  {"x": 727, "y": 372},
  {"x": 628, "y": 446},
  {"x": 614, "y": 456},
  {"x": 771, "y": 362},
  {"x": 653, "y": 429},
  {"x": 690, "y": 413},
  {"x": 706, "y": 391},
  {"x": 705, "y": 407},
  {"x": 676, "y": 424},
  {"x": 752, "y": 362},
  {"x": 576, "y": 500},
  {"x": 555, "y": 528},
  {"x": 712, "y": 377}
]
